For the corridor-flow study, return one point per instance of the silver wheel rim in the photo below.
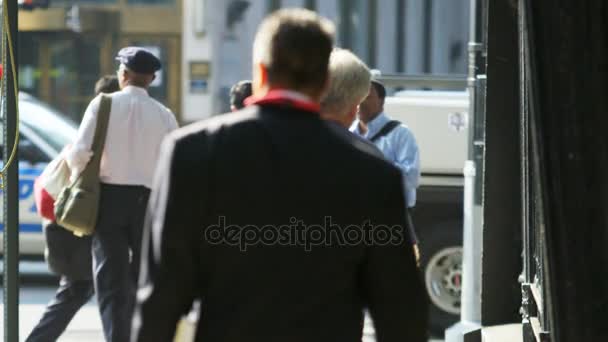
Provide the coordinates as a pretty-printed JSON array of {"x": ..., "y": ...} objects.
[{"x": 443, "y": 279}]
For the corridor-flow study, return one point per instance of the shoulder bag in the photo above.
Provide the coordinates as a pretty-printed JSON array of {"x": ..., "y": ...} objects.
[{"x": 77, "y": 205}]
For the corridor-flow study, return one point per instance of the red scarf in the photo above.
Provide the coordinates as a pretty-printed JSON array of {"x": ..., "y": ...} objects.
[{"x": 285, "y": 98}]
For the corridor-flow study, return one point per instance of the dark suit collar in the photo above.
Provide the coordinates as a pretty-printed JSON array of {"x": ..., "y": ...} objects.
[{"x": 337, "y": 125}]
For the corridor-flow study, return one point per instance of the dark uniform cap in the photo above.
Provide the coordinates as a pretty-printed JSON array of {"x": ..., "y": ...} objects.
[{"x": 138, "y": 60}]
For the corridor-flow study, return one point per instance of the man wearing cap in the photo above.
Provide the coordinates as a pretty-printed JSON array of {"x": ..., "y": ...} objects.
[
  {"x": 393, "y": 138},
  {"x": 136, "y": 128}
]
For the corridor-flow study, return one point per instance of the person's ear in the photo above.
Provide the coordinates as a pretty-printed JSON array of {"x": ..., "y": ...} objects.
[
  {"x": 149, "y": 79},
  {"x": 121, "y": 74},
  {"x": 352, "y": 115},
  {"x": 259, "y": 84},
  {"x": 325, "y": 88}
]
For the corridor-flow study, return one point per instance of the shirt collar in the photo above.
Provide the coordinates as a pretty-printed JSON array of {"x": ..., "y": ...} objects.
[
  {"x": 295, "y": 95},
  {"x": 130, "y": 89},
  {"x": 285, "y": 97},
  {"x": 377, "y": 123}
]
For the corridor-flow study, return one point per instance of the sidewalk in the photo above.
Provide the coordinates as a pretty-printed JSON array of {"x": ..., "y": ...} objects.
[{"x": 86, "y": 326}]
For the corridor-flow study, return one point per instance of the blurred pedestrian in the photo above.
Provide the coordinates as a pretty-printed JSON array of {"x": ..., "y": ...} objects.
[
  {"x": 136, "y": 127},
  {"x": 70, "y": 256},
  {"x": 107, "y": 84},
  {"x": 392, "y": 137},
  {"x": 271, "y": 174},
  {"x": 238, "y": 93}
]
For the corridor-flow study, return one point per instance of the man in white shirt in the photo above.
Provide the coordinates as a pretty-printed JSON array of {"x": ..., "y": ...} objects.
[{"x": 136, "y": 128}]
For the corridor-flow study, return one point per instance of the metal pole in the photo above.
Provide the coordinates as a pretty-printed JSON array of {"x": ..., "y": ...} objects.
[
  {"x": 470, "y": 315},
  {"x": 11, "y": 181}
]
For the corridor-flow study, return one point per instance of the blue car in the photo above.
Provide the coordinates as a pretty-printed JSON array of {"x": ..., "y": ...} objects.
[{"x": 43, "y": 134}]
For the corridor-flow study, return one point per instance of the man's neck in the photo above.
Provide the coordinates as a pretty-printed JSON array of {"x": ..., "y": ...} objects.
[
  {"x": 310, "y": 96},
  {"x": 370, "y": 118},
  {"x": 336, "y": 119},
  {"x": 134, "y": 86}
]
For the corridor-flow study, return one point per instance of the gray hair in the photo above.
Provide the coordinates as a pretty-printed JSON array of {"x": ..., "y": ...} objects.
[{"x": 350, "y": 80}]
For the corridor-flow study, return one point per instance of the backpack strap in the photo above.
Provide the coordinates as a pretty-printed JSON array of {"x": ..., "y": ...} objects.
[{"x": 386, "y": 129}]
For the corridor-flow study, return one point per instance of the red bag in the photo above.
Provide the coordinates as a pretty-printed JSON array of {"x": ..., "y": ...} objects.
[
  {"x": 45, "y": 203},
  {"x": 49, "y": 184}
]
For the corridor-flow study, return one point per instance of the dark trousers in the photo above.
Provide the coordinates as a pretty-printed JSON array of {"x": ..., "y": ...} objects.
[
  {"x": 116, "y": 256},
  {"x": 69, "y": 298}
]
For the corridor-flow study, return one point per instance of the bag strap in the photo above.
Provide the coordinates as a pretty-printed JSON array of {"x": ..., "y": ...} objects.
[
  {"x": 91, "y": 171},
  {"x": 386, "y": 129}
]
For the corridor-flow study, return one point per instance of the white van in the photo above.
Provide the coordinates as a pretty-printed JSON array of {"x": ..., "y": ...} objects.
[{"x": 439, "y": 121}]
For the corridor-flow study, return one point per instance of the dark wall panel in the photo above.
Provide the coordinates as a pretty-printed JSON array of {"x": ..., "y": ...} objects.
[
  {"x": 501, "y": 253},
  {"x": 571, "y": 58}
]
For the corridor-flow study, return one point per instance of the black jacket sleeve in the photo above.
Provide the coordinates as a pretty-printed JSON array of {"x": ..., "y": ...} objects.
[
  {"x": 394, "y": 292},
  {"x": 169, "y": 278}
]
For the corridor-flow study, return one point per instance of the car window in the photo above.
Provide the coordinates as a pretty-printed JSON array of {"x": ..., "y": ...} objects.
[
  {"x": 30, "y": 153},
  {"x": 47, "y": 123}
]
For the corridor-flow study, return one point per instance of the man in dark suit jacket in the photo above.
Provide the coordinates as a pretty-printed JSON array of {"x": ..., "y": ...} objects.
[{"x": 283, "y": 229}]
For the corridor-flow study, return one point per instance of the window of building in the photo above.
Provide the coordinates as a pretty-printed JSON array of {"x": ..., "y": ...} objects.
[
  {"x": 74, "y": 69},
  {"x": 60, "y": 69},
  {"x": 272, "y": 5},
  {"x": 63, "y": 3},
  {"x": 29, "y": 69},
  {"x": 355, "y": 27},
  {"x": 311, "y": 4},
  {"x": 151, "y": 2},
  {"x": 30, "y": 153}
]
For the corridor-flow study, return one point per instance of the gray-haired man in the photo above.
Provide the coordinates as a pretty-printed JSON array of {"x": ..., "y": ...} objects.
[{"x": 350, "y": 81}]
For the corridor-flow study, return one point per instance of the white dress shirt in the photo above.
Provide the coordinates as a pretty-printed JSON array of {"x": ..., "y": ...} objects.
[{"x": 137, "y": 125}]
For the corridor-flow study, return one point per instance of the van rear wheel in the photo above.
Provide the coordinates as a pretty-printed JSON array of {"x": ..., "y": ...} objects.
[{"x": 441, "y": 256}]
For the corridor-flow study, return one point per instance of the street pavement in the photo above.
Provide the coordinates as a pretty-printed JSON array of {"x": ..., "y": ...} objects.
[
  {"x": 38, "y": 287},
  {"x": 86, "y": 326}
]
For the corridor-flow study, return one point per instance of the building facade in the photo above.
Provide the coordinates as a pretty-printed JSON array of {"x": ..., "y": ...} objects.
[
  {"x": 395, "y": 36},
  {"x": 65, "y": 48},
  {"x": 205, "y": 45}
]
